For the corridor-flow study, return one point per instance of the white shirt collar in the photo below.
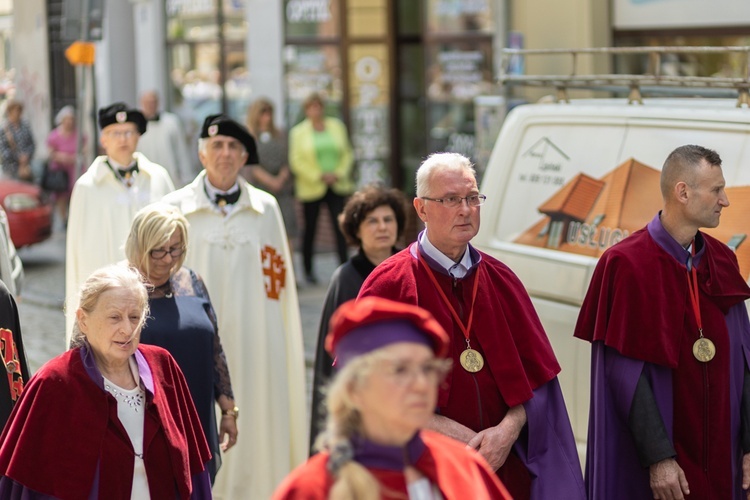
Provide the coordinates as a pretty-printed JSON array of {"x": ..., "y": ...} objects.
[{"x": 456, "y": 270}]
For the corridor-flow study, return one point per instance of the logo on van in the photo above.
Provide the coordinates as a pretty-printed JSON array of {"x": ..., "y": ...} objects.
[
  {"x": 587, "y": 215},
  {"x": 550, "y": 156}
]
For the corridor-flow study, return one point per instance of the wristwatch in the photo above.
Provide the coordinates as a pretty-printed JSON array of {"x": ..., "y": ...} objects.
[{"x": 234, "y": 412}]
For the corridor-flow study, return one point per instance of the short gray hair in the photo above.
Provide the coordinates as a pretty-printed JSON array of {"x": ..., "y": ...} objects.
[{"x": 440, "y": 162}]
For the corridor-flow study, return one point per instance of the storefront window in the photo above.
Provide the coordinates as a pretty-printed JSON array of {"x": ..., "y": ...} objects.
[
  {"x": 311, "y": 69},
  {"x": 207, "y": 59},
  {"x": 312, "y": 18},
  {"x": 459, "y": 16},
  {"x": 459, "y": 72}
]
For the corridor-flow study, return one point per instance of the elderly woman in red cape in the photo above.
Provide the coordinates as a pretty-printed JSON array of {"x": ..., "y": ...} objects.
[
  {"x": 390, "y": 359},
  {"x": 108, "y": 419}
]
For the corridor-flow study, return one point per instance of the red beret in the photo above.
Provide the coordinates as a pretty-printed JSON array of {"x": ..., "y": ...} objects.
[{"x": 374, "y": 322}]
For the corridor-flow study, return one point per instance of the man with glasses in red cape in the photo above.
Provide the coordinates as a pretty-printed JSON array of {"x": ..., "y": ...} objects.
[{"x": 502, "y": 396}]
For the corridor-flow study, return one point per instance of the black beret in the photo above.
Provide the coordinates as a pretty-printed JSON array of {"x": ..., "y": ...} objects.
[
  {"x": 223, "y": 125},
  {"x": 119, "y": 112}
]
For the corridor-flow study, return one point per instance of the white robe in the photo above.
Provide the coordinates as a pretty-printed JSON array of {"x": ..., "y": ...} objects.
[
  {"x": 165, "y": 143},
  {"x": 101, "y": 211},
  {"x": 261, "y": 332}
]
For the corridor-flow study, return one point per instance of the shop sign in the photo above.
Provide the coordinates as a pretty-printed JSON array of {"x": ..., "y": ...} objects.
[{"x": 308, "y": 11}]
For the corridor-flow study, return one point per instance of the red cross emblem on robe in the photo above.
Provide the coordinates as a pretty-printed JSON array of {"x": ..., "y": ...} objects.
[
  {"x": 274, "y": 271},
  {"x": 12, "y": 365}
]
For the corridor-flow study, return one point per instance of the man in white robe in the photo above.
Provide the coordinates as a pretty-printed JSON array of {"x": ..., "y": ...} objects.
[
  {"x": 238, "y": 245},
  {"x": 165, "y": 141},
  {"x": 105, "y": 199}
]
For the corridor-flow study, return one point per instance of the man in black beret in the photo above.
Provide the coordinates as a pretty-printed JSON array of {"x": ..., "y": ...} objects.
[
  {"x": 238, "y": 244},
  {"x": 107, "y": 196}
]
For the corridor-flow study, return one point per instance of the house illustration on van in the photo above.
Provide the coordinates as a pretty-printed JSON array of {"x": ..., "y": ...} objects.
[{"x": 587, "y": 215}]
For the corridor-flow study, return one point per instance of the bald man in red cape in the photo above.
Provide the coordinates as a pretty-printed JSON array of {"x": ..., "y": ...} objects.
[
  {"x": 504, "y": 400},
  {"x": 670, "y": 336}
]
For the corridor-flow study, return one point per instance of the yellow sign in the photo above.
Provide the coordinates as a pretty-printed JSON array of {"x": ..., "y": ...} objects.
[{"x": 80, "y": 53}]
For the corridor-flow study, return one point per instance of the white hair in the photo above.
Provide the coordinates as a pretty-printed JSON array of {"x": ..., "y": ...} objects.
[
  {"x": 440, "y": 162},
  {"x": 64, "y": 112}
]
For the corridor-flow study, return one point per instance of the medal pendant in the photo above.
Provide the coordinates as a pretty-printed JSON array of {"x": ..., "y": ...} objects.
[
  {"x": 222, "y": 203},
  {"x": 471, "y": 360},
  {"x": 704, "y": 350}
]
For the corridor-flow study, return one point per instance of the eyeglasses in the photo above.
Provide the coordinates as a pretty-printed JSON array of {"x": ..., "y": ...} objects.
[
  {"x": 473, "y": 200},
  {"x": 160, "y": 253},
  {"x": 122, "y": 134},
  {"x": 404, "y": 374}
]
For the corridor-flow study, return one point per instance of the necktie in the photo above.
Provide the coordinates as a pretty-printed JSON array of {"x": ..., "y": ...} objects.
[
  {"x": 127, "y": 173},
  {"x": 227, "y": 199}
]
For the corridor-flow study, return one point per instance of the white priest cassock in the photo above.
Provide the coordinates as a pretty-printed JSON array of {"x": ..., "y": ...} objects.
[
  {"x": 102, "y": 208},
  {"x": 244, "y": 259}
]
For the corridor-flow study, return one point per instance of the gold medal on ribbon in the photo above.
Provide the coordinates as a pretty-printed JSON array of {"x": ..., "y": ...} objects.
[
  {"x": 222, "y": 203},
  {"x": 471, "y": 360},
  {"x": 703, "y": 349}
]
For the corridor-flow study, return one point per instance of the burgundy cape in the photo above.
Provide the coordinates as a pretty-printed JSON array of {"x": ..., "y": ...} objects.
[
  {"x": 457, "y": 472},
  {"x": 520, "y": 366},
  {"x": 64, "y": 439},
  {"x": 638, "y": 314}
]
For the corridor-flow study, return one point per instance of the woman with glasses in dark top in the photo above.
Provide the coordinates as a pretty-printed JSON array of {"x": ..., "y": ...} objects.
[{"x": 183, "y": 321}]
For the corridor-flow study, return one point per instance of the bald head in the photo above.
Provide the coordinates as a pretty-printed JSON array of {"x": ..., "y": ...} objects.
[
  {"x": 150, "y": 103},
  {"x": 682, "y": 165}
]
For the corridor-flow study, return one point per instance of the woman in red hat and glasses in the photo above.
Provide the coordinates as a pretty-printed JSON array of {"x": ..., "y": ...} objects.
[{"x": 390, "y": 359}]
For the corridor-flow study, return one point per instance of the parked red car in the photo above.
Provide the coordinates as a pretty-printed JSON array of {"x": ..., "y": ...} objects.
[{"x": 29, "y": 212}]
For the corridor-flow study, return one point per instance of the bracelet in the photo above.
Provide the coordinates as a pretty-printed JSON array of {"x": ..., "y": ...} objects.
[{"x": 234, "y": 412}]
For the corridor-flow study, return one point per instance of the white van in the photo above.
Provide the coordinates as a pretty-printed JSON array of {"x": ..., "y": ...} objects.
[{"x": 567, "y": 180}]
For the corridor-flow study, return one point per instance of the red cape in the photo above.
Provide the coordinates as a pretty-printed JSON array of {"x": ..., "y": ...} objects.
[
  {"x": 505, "y": 323},
  {"x": 65, "y": 428},
  {"x": 624, "y": 275},
  {"x": 507, "y": 333},
  {"x": 458, "y": 473}
]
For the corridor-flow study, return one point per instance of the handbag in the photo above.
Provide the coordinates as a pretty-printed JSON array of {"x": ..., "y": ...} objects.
[{"x": 54, "y": 180}]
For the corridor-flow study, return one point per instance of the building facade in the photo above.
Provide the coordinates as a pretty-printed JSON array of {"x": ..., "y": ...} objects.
[{"x": 404, "y": 75}]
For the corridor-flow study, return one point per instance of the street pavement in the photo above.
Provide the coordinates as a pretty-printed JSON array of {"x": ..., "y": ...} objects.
[{"x": 42, "y": 298}]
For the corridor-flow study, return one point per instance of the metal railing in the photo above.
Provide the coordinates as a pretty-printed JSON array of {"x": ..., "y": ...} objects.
[{"x": 633, "y": 82}]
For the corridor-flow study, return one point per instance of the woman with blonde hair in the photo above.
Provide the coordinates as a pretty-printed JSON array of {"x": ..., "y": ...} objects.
[
  {"x": 183, "y": 321},
  {"x": 272, "y": 173},
  {"x": 391, "y": 358}
]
